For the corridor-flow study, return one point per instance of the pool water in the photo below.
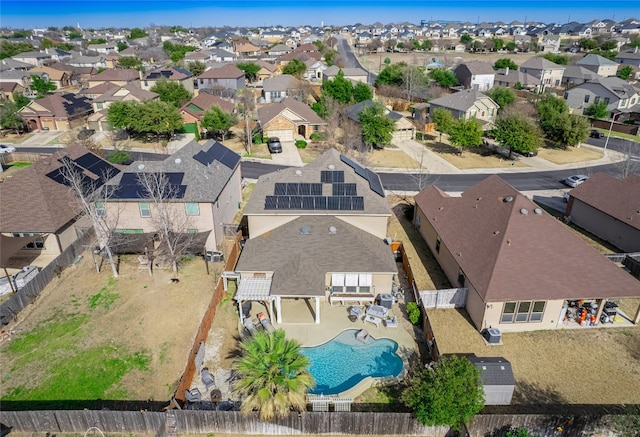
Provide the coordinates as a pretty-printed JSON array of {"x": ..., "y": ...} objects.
[{"x": 344, "y": 361}]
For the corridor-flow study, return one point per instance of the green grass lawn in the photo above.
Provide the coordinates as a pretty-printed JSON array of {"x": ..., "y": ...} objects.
[{"x": 615, "y": 134}]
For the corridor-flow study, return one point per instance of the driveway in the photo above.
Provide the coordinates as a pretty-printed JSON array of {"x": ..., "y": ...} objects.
[
  {"x": 41, "y": 138},
  {"x": 289, "y": 155}
]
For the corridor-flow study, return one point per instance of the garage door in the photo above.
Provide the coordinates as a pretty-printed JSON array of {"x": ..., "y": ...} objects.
[
  {"x": 283, "y": 134},
  {"x": 405, "y": 134}
]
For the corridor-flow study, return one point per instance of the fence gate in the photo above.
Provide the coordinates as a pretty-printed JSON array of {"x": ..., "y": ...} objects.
[
  {"x": 230, "y": 230},
  {"x": 449, "y": 298}
]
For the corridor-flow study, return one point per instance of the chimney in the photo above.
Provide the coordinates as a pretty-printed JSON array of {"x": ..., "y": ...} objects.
[{"x": 506, "y": 71}]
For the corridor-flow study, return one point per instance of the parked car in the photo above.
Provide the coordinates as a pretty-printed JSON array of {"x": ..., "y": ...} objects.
[
  {"x": 575, "y": 180},
  {"x": 574, "y": 50},
  {"x": 85, "y": 133},
  {"x": 274, "y": 144},
  {"x": 529, "y": 154},
  {"x": 595, "y": 133},
  {"x": 6, "y": 149}
]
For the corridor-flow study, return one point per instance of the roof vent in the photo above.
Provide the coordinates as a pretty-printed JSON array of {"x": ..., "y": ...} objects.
[
  {"x": 333, "y": 229},
  {"x": 537, "y": 211},
  {"x": 178, "y": 160},
  {"x": 140, "y": 166},
  {"x": 298, "y": 172},
  {"x": 523, "y": 211},
  {"x": 305, "y": 230},
  {"x": 508, "y": 199},
  {"x": 331, "y": 167}
]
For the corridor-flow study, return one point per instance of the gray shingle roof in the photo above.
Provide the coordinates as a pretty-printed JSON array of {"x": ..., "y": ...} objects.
[
  {"x": 476, "y": 67},
  {"x": 495, "y": 370},
  {"x": 281, "y": 83},
  {"x": 460, "y": 101},
  {"x": 540, "y": 63},
  {"x": 300, "y": 262},
  {"x": 302, "y": 110},
  {"x": 592, "y": 59}
]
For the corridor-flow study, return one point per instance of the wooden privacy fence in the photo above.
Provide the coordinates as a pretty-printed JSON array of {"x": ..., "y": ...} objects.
[
  {"x": 345, "y": 423},
  {"x": 449, "y": 298},
  {"x": 397, "y": 246},
  {"x": 27, "y": 294},
  {"x": 205, "y": 325}
]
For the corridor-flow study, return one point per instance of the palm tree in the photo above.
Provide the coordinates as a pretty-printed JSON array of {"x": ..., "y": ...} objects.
[{"x": 273, "y": 375}]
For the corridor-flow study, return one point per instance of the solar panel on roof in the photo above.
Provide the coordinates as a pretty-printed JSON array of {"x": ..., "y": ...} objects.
[
  {"x": 305, "y": 189},
  {"x": 292, "y": 189},
  {"x": 326, "y": 177},
  {"x": 316, "y": 189},
  {"x": 374, "y": 182},
  {"x": 97, "y": 166},
  {"x": 337, "y": 189},
  {"x": 357, "y": 203},
  {"x": 280, "y": 189},
  {"x": 333, "y": 202},
  {"x": 350, "y": 189},
  {"x": 338, "y": 176},
  {"x": 360, "y": 170},
  {"x": 295, "y": 202},
  {"x": 283, "y": 202},
  {"x": 217, "y": 152},
  {"x": 307, "y": 203},
  {"x": 320, "y": 202},
  {"x": 270, "y": 202},
  {"x": 345, "y": 203},
  {"x": 130, "y": 186}
]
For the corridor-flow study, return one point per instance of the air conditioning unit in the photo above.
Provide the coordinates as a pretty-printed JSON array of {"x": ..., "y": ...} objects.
[{"x": 493, "y": 336}]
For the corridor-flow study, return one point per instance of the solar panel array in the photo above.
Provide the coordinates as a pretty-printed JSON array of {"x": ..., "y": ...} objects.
[
  {"x": 331, "y": 176},
  {"x": 218, "y": 152},
  {"x": 131, "y": 187},
  {"x": 87, "y": 163},
  {"x": 374, "y": 180},
  {"x": 314, "y": 203},
  {"x": 297, "y": 189},
  {"x": 344, "y": 189}
]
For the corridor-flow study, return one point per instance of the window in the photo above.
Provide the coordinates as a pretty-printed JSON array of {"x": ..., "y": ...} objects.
[
  {"x": 99, "y": 105},
  {"x": 438, "y": 245},
  {"x": 473, "y": 113},
  {"x": 128, "y": 231},
  {"x": 596, "y": 100},
  {"x": 192, "y": 208},
  {"x": 606, "y": 100},
  {"x": 37, "y": 244},
  {"x": 192, "y": 231},
  {"x": 351, "y": 283},
  {"x": 100, "y": 210},
  {"x": 622, "y": 103},
  {"x": 490, "y": 112},
  {"x": 217, "y": 203},
  {"x": 364, "y": 281},
  {"x": 586, "y": 98},
  {"x": 633, "y": 101},
  {"x": 145, "y": 209},
  {"x": 523, "y": 312}
]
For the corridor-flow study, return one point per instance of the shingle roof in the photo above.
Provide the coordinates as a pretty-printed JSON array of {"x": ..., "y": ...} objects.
[
  {"x": 115, "y": 94},
  {"x": 507, "y": 255},
  {"x": 206, "y": 101},
  {"x": 281, "y": 83},
  {"x": 494, "y": 370},
  {"x": 616, "y": 86},
  {"x": 228, "y": 71},
  {"x": 128, "y": 74},
  {"x": 460, "y": 101},
  {"x": 373, "y": 203},
  {"x": 204, "y": 183},
  {"x": 592, "y": 59},
  {"x": 33, "y": 202},
  {"x": 578, "y": 72},
  {"x": 303, "y": 112},
  {"x": 300, "y": 262},
  {"x": 61, "y": 105},
  {"x": 540, "y": 63},
  {"x": 476, "y": 67},
  {"x": 334, "y": 70},
  {"x": 619, "y": 198}
]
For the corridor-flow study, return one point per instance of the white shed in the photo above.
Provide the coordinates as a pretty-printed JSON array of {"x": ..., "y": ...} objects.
[{"x": 497, "y": 379}]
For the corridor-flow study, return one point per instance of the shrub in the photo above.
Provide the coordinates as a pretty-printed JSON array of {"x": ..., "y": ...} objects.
[
  {"x": 301, "y": 144},
  {"x": 119, "y": 157},
  {"x": 257, "y": 139},
  {"x": 317, "y": 136},
  {"x": 413, "y": 311}
]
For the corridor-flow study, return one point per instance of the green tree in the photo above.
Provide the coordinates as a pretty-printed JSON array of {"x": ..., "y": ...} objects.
[
  {"x": 20, "y": 100},
  {"x": 377, "y": 128},
  {"x": 609, "y": 45},
  {"x": 502, "y": 96},
  {"x": 74, "y": 34},
  {"x": 46, "y": 43},
  {"x": 119, "y": 114},
  {"x": 9, "y": 117},
  {"x": 444, "y": 78},
  {"x": 597, "y": 110},
  {"x": 122, "y": 46},
  {"x": 391, "y": 74},
  {"x": 517, "y": 133},
  {"x": 119, "y": 156},
  {"x": 156, "y": 117},
  {"x": 295, "y": 68},
  {"x": 362, "y": 92},
  {"x": 450, "y": 394},
  {"x": 466, "y": 39},
  {"x": 573, "y": 129},
  {"x": 219, "y": 122},
  {"x": 339, "y": 88},
  {"x": 97, "y": 41},
  {"x": 519, "y": 432},
  {"x": 443, "y": 120},
  {"x": 609, "y": 54},
  {"x": 498, "y": 43},
  {"x": 625, "y": 72},
  {"x": 511, "y": 46},
  {"x": 42, "y": 86},
  {"x": 22, "y": 34},
  {"x": 250, "y": 69},
  {"x": 330, "y": 56},
  {"x": 557, "y": 59},
  {"x": 635, "y": 42},
  {"x": 176, "y": 52},
  {"x": 130, "y": 62},
  {"x": 136, "y": 33},
  {"x": 465, "y": 133},
  {"x": 172, "y": 92},
  {"x": 426, "y": 44},
  {"x": 588, "y": 44},
  {"x": 10, "y": 48},
  {"x": 196, "y": 67},
  {"x": 273, "y": 375},
  {"x": 505, "y": 63}
]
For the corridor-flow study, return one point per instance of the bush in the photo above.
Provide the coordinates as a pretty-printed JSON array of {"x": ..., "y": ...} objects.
[
  {"x": 413, "y": 311},
  {"x": 301, "y": 144},
  {"x": 408, "y": 211},
  {"x": 119, "y": 157},
  {"x": 257, "y": 139},
  {"x": 317, "y": 136}
]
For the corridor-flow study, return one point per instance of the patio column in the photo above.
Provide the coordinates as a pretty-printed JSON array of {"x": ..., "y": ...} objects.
[
  {"x": 600, "y": 309},
  {"x": 636, "y": 319},
  {"x": 278, "y": 310},
  {"x": 271, "y": 309},
  {"x": 317, "y": 310}
]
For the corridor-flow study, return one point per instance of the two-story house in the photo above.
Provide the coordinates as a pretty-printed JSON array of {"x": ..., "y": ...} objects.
[
  {"x": 475, "y": 74},
  {"x": 278, "y": 88},
  {"x": 172, "y": 74},
  {"x": 227, "y": 77},
  {"x": 599, "y": 65},
  {"x": 548, "y": 73},
  {"x": 619, "y": 95}
]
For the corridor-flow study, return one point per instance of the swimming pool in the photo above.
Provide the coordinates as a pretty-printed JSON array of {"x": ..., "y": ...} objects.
[{"x": 344, "y": 361}]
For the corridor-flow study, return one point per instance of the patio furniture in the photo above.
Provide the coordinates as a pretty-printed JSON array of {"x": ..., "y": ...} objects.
[
  {"x": 215, "y": 395},
  {"x": 193, "y": 395},
  {"x": 265, "y": 322},
  {"x": 377, "y": 311},
  {"x": 356, "y": 311},
  {"x": 362, "y": 335},
  {"x": 372, "y": 319},
  {"x": 391, "y": 322},
  {"x": 248, "y": 325},
  {"x": 207, "y": 378}
]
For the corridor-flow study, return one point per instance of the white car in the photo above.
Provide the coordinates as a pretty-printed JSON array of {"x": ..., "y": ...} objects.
[
  {"x": 6, "y": 149},
  {"x": 575, "y": 180}
]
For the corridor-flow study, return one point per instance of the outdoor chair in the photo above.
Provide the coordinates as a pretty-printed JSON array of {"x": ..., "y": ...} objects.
[
  {"x": 193, "y": 395},
  {"x": 362, "y": 335},
  {"x": 248, "y": 325},
  {"x": 356, "y": 311},
  {"x": 392, "y": 322},
  {"x": 207, "y": 378}
]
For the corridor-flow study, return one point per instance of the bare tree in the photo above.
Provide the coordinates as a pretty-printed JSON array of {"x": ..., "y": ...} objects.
[
  {"x": 92, "y": 197},
  {"x": 248, "y": 101},
  {"x": 412, "y": 79},
  {"x": 630, "y": 163},
  {"x": 351, "y": 137},
  {"x": 171, "y": 223}
]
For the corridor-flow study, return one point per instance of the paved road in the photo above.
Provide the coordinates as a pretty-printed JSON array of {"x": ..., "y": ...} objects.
[
  {"x": 350, "y": 59},
  {"x": 619, "y": 145}
]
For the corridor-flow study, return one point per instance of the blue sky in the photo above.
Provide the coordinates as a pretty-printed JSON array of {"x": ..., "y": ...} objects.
[{"x": 197, "y": 13}]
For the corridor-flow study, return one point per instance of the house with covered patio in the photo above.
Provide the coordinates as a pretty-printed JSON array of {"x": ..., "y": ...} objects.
[
  {"x": 519, "y": 268},
  {"x": 317, "y": 235}
]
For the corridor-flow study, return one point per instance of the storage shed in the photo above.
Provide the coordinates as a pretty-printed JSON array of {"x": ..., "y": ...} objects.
[{"x": 497, "y": 379}]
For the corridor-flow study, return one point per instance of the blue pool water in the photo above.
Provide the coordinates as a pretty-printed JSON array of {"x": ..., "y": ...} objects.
[{"x": 342, "y": 362}]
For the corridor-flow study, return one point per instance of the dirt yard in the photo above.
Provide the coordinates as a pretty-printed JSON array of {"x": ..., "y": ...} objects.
[
  {"x": 570, "y": 155},
  {"x": 471, "y": 158}
]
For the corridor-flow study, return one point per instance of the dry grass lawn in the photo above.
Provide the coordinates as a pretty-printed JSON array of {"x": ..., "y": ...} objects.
[
  {"x": 471, "y": 158},
  {"x": 569, "y": 155}
]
